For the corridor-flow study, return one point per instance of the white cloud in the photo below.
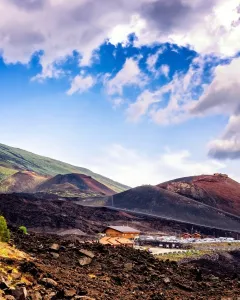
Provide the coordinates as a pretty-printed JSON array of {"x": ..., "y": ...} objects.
[
  {"x": 180, "y": 92},
  {"x": 223, "y": 94},
  {"x": 151, "y": 65},
  {"x": 165, "y": 69},
  {"x": 81, "y": 84},
  {"x": 140, "y": 107},
  {"x": 228, "y": 147},
  {"x": 134, "y": 168},
  {"x": 223, "y": 97},
  {"x": 208, "y": 26},
  {"x": 58, "y": 27},
  {"x": 152, "y": 60},
  {"x": 120, "y": 32},
  {"x": 129, "y": 75},
  {"x": 116, "y": 102}
]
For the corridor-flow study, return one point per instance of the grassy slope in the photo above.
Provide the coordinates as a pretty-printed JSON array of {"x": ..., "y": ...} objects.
[
  {"x": 5, "y": 172},
  {"x": 14, "y": 158}
]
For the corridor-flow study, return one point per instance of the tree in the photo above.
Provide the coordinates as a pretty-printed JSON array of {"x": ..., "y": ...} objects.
[
  {"x": 4, "y": 231},
  {"x": 23, "y": 229}
]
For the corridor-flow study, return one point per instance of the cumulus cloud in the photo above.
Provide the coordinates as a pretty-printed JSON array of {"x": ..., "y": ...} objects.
[
  {"x": 228, "y": 147},
  {"x": 222, "y": 95},
  {"x": 179, "y": 93},
  {"x": 134, "y": 168},
  {"x": 81, "y": 84},
  {"x": 58, "y": 27},
  {"x": 129, "y": 75},
  {"x": 140, "y": 107}
]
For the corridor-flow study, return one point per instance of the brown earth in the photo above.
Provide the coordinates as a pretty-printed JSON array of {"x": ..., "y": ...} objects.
[
  {"x": 57, "y": 272},
  {"x": 216, "y": 190},
  {"x": 23, "y": 181}
]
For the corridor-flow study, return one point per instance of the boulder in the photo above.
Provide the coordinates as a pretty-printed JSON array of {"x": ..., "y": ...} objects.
[
  {"x": 20, "y": 293},
  {"x": 85, "y": 261},
  {"x": 54, "y": 247},
  {"x": 214, "y": 278},
  {"x": 87, "y": 253},
  {"x": 48, "y": 282},
  {"x": 166, "y": 280},
  {"x": 69, "y": 293},
  {"x": 9, "y": 297},
  {"x": 4, "y": 285},
  {"x": 55, "y": 255}
]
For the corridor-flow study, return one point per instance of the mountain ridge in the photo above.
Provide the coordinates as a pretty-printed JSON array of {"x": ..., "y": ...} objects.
[
  {"x": 79, "y": 181},
  {"x": 217, "y": 190},
  {"x": 160, "y": 202},
  {"x": 13, "y": 160}
]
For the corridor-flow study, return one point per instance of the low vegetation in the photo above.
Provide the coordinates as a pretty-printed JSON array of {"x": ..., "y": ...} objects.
[
  {"x": 23, "y": 229},
  {"x": 177, "y": 256},
  {"x": 216, "y": 246},
  {"x": 4, "y": 231},
  {"x": 6, "y": 172}
]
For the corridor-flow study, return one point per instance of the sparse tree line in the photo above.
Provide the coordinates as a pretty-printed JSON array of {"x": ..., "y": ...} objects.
[{"x": 5, "y": 232}]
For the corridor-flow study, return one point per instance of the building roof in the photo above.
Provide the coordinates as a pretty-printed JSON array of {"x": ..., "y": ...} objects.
[
  {"x": 115, "y": 241},
  {"x": 125, "y": 229}
]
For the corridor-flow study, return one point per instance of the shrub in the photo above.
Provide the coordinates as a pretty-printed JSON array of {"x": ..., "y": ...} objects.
[
  {"x": 4, "y": 231},
  {"x": 23, "y": 229}
]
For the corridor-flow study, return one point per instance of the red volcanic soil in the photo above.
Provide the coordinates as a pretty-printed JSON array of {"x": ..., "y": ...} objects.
[
  {"x": 23, "y": 181},
  {"x": 81, "y": 181},
  {"x": 167, "y": 204},
  {"x": 216, "y": 190}
]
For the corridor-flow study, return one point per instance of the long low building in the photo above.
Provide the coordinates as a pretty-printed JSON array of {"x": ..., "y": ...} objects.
[{"x": 121, "y": 231}]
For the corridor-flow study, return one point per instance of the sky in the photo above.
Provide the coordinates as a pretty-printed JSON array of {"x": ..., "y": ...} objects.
[{"x": 141, "y": 91}]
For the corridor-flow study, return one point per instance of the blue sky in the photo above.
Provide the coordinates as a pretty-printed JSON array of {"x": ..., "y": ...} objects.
[{"x": 121, "y": 91}]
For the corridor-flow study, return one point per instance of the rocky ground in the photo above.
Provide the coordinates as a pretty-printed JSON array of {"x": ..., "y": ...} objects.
[{"x": 54, "y": 268}]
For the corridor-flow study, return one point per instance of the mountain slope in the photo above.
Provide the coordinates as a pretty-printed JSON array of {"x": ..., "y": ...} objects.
[
  {"x": 216, "y": 190},
  {"x": 158, "y": 201},
  {"x": 17, "y": 159},
  {"x": 23, "y": 181},
  {"x": 79, "y": 181}
]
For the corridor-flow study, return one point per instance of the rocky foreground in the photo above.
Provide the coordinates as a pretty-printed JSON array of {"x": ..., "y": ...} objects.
[{"x": 58, "y": 269}]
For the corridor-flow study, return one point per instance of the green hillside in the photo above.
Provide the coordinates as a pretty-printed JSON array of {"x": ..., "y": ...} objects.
[{"x": 14, "y": 159}]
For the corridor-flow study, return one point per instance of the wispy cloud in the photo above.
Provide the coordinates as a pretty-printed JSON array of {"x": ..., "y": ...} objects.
[
  {"x": 180, "y": 92},
  {"x": 135, "y": 168},
  {"x": 81, "y": 84},
  {"x": 129, "y": 75}
]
